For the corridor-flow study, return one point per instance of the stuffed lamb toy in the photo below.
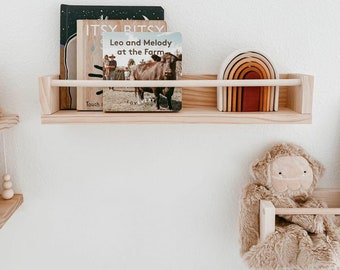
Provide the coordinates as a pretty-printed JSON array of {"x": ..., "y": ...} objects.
[{"x": 287, "y": 176}]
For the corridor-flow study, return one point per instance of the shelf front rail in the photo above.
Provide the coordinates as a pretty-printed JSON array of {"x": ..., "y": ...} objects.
[
  {"x": 200, "y": 89},
  {"x": 174, "y": 83}
]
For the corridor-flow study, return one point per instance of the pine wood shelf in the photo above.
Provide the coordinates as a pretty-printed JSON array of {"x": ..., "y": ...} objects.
[
  {"x": 199, "y": 103},
  {"x": 8, "y": 121},
  {"x": 186, "y": 116},
  {"x": 8, "y": 207}
]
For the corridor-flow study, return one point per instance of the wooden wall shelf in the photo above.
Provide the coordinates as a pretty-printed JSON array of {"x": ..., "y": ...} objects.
[
  {"x": 8, "y": 207},
  {"x": 199, "y": 102},
  {"x": 8, "y": 121}
]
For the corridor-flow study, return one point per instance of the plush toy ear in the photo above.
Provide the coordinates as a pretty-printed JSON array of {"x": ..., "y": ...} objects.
[
  {"x": 317, "y": 167},
  {"x": 259, "y": 170}
]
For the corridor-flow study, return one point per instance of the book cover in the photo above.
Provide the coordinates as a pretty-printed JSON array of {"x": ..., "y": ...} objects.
[
  {"x": 90, "y": 53},
  {"x": 143, "y": 56},
  {"x": 69, "y": 14}
]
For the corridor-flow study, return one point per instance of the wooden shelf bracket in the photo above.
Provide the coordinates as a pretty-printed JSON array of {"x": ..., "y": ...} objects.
[{"x": 8, "y": 207}]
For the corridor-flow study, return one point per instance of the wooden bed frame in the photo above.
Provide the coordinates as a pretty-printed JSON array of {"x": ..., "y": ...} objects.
[{"x": 268, "y": 210}]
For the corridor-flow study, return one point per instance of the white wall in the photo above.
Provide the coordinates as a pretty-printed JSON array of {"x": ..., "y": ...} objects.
[{"x": 154, "y": 197}]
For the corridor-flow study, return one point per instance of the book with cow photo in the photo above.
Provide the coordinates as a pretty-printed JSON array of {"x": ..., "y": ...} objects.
[
  {"x": 90, "y": 53},
  {"x": 142, "y": 56},
  {"x": 69, "y": 14}
]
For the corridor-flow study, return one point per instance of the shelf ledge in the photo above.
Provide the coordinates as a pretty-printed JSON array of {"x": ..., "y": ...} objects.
[
  {"x": 8, "y": 121},
  {"x": 185, "y": 116},
  {"x": 8, "y": 207},
  {"x": 199, "y": 102}
]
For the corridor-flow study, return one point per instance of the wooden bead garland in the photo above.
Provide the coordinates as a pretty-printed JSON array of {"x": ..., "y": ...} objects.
[{"x": 7, "y": 191}]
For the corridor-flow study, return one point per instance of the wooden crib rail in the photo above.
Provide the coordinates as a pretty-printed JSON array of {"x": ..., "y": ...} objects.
[{"x": 268, "y": 210}]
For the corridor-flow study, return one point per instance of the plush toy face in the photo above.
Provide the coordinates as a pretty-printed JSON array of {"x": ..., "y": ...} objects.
[{"x": 290, "y": 174}]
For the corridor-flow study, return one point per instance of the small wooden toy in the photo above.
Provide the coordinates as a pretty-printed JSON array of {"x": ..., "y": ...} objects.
[{"x": 7, "y": 191}]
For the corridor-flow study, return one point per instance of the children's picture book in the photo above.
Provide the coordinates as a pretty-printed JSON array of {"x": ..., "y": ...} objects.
[
  {"x": 142, "y": 56},
  {"x": 90, "y": 53},
  {"x": 69, "y": 14}
]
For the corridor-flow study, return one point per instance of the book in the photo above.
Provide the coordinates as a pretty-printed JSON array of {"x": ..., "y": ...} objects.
[
  {"x": 90, "y": 53},
  {"x": 69, "y": 14},
  {"x": 143, "y": 56}
]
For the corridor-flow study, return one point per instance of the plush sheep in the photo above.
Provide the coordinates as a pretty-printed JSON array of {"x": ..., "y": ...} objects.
[{"x": 287, "y": 176}]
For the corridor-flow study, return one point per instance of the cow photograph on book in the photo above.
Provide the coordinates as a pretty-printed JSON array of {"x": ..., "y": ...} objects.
[{"x": 142, "y": 56}]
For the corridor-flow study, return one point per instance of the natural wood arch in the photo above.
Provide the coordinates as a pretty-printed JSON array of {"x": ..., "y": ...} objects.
[
  {"x": 242, "y": 74},
  {"x": 237, "y": 70},
  {"x": 272, "y": 90},
  {"x": 234, "y": 70},
  {"x": 250, "y": 98}
]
